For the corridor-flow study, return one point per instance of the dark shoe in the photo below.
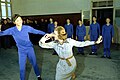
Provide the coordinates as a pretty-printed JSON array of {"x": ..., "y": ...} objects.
[
  {"x": 39, "y": 78},
  {"x": 109, "y": 57},
  {"x": 91, "y": 54},
  {"x": 95, "y": 54},
  {"x": 103, "y": 57}
]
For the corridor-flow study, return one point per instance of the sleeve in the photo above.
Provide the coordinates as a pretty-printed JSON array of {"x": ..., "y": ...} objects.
[
  {"x": 6, "y": 32},
  {"x": 90, "y": 30},
  {"x": 84, "y": 30},
  {"x": 65, "y": 27},
  {"x": 35, "y": 31},
  {"x": 103, "y": 31},
  {"x": 48, "y": 29},
  {"x": 46, "y": 45},
  {"x": 76, "y": 31},
  {"x": 72, "y": 29},
  {"x": 98, "y": 29},
  {"x": 112, "y": 31},
  {"x": 81, "y": 44}
]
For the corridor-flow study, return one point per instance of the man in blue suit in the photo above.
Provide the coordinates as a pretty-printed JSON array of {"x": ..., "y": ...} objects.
[
  {"x": 51, "y": 26},
  {"x": 94, "y": 33},
  {"x": 107, "y": 34},
  {"x": 69, "y": 29},
  {"x": 80, "y": 35}
]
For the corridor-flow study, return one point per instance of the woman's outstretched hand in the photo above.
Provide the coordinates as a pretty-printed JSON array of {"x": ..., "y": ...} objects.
[
  {"x": 45, "y": 38},
  {"x": 99, "y": 40},
  {"x": 50, "y": 35}
]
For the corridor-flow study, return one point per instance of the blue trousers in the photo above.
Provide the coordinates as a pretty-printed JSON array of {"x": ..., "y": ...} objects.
[
  {"x": 107, "y": 43},
  {"x": 94, "y": 38},
  {"x": 80, "y": 49},
  {"x": 23, "y": 54}
]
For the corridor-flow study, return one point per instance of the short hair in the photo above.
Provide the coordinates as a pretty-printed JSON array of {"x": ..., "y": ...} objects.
[
  {"x": 94, "y": 17},
  {"x": 67, "y": 19},
  {"x": 61, "y": 33},
  {"x": 15, "y": 16},
  {"x": 8, "y": 18},
  {"x": 79, "y": 20},
  {"x": 108, "y": 18}
]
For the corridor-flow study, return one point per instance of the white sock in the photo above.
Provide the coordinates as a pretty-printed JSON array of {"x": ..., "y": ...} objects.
[{"x": 38, "y": 76}]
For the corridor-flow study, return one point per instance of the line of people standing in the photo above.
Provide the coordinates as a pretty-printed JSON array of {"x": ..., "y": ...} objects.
[
  {"x": 107, "y": 34},
  {"x": 93, "y": 34}
]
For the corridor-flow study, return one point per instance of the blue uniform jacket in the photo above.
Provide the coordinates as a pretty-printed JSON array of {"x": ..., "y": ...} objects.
[
  {"x": 21, "y": 37},
  {"x": 50, "y": 27},
  {"x": 69, "y": 29},
  {"x": 107, "y": 31},
  {"x": 94, "y": 29},
  {"x": 80, "y": 30}
]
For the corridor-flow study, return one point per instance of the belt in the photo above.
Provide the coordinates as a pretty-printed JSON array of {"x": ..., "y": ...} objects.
[{"x": 67, "y": 60}]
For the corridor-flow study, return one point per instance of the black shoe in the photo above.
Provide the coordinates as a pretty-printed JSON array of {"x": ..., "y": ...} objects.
[
  {"x": 39, "y": 78},
  {"x": 103, "y": 57},
  {"x": 90, "y": 53},
  {"x": 109, "y": 57},
  {"x": 95, "y": 54}
]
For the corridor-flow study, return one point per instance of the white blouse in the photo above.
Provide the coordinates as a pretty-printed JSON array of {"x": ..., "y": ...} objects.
[{"x": 64, "y": 50}]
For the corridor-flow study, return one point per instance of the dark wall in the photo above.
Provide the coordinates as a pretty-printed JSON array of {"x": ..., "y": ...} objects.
[{"x": 60, "y": 18}]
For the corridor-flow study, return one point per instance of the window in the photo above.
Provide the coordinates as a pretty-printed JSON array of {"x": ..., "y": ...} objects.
[
  {"x": 117, "y": 17},
  {"x": 105, "y": 3},
  {"x": 5, "y": 9},
  {"x": 3, "y": 0},
  {"x": 8, "y": 0},
  {"x": 117, "y": 13},
  {"x": 86, "y": 18}
]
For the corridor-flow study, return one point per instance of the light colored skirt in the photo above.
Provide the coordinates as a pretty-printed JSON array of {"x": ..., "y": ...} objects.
[{"x": 64, "y": 71}]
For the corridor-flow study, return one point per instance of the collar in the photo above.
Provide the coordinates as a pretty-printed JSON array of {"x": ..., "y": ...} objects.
[{"x": 56, "y": 41}]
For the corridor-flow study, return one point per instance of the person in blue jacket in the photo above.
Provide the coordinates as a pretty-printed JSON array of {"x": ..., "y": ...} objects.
[
  {"x": 94, "y": 33},
  {"x": 80, "y": 35},
  {"x": 20, "y": 34},
  {"x": 69, "y": 29},
  {"x": 51, "y": 26},
  {"x": 107, "y": 34}
]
